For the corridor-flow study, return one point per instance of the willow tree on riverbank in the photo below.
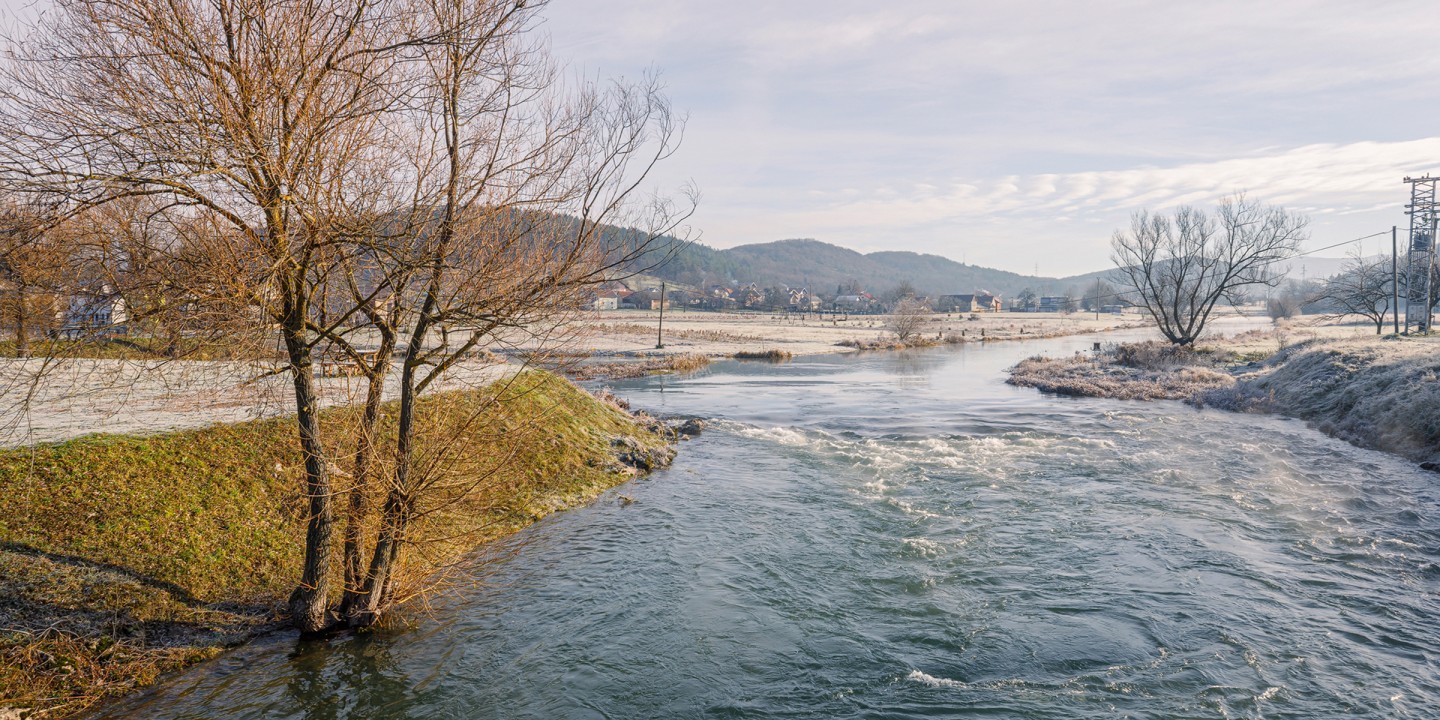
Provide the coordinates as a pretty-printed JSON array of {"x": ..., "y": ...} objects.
[
  {"x": 1181, "y": 266},
  {"x": 337, "y": 161}
]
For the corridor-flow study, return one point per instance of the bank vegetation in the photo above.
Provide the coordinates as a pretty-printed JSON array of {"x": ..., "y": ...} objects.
[{"x": 126, "y": 556}]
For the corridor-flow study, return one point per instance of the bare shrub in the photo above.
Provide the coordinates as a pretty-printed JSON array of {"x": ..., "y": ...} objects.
[
  {"x": 906, "y": 321},
  {"x": 1153, "y": 355}
]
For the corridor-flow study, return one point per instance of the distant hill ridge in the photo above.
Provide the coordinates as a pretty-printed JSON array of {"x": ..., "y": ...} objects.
[{"x": 824, "y": 267}]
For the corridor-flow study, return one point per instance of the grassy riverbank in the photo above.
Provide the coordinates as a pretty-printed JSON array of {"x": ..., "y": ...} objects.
[
  {"x": 126, "y": 556},
  {"x": 1375, "y": 392}
]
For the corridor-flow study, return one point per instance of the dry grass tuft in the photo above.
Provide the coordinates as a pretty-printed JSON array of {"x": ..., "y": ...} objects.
[
  {"x": 884, "y": 343},
  {"x": 770, "y": 355},
  {"x": 690, "y": 362},
  {"x": 1082, "y": 376}
]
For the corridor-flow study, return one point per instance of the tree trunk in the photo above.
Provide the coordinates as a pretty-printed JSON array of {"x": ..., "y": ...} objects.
[
  {"x": 379, "y": 581},
  {"x": 359, "y": 500},
  {"x": 309, "y": 605},
  {"x": 22, "y": 333}
]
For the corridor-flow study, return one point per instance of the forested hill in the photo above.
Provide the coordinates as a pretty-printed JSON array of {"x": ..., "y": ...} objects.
[{"x": 824, "y": 267}]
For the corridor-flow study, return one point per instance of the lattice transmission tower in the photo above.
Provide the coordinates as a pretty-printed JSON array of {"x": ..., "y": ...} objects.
[{"x": 1420, "y": 270}]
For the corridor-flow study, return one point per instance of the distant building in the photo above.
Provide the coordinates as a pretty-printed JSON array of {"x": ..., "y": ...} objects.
[
  {"x": 956, "y": 303},
  {"x": 648, "y": 300},
  {"x": 89, "y": 311},
  {"x": 862, "y": 302},
  {"x": 980, "y": 301},
  {"x": 1057, "y": 303}
]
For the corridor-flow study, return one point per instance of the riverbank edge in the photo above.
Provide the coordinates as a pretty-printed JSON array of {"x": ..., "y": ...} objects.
[
  {"x": 1378, "y": 393},
  {"x": 127, "y": 557}
]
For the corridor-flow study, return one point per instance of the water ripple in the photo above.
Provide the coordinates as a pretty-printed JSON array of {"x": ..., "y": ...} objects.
[{"x": 882, "y": 537}]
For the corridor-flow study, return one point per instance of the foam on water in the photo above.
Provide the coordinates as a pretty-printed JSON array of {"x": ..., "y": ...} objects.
[{"x": 932, "y": 681}]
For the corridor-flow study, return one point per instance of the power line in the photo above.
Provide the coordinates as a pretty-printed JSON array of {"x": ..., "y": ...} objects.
[{"x": 1331, "y": 247}]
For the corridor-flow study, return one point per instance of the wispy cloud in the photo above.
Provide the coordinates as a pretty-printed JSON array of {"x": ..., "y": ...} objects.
[{"x": 1363, "y": 175}]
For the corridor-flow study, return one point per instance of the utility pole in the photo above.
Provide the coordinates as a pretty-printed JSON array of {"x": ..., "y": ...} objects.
[
  {"x": 1096, "y": 301},
  {"x": 1430, "y": 272},
  {"x": 660, "y": 329},
  {"x": 1395, "y": 278},
  {"x": 1423, "y": 213}
]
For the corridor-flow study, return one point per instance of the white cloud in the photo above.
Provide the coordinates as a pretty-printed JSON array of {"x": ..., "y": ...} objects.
[{"x": 1340, "y": 176}]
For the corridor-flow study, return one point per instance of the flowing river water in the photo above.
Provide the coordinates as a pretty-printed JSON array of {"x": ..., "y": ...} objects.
[{"x": 900, "y": 535}]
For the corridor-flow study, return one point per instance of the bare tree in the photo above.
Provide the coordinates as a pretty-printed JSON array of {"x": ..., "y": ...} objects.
[
  {"x": 892, "y": 297},
  {"x": 907, "y": 319},
  {"x": 32, "y": 268},
  {"x": 1362, "y": 287},
  {"x": 1180, "y": 267},
  {"x": 248, "y": 113},
  {"x": 1026, "y": 300},
  {"x": 350, "y": 179},
  {"x": 504, "y": 234}
]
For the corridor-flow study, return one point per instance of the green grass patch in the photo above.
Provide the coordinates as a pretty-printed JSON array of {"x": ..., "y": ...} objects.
[{"x": 122, "y": 556}]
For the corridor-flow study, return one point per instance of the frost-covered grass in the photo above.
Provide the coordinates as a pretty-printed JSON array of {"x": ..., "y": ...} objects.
[
  {"x": 1130, "y": 371},
  {"x": 1103, "y": 377},
  {"x": 679, "y": 363},
  {"x": 1378, "y": 393}
]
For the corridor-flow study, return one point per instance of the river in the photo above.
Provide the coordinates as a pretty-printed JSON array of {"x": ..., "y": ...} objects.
[{"x": 901, "y": 535}]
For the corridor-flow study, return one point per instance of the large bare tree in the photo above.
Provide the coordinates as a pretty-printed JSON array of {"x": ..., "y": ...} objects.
[
  {"x": 34, "y": 258},
  {"x": 1179, "y": 267},
  {"x": 248, "y": 112},
  {"x": 517, "y": 178},
  {"x": 357, "y": 179}
]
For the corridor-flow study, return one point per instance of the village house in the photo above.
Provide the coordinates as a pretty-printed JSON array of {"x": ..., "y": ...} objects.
[
  {"x": 750, "y": 296},
  {"x": 801, "y": 300},
  {"x": 862, "y": 302},
  {"x": 718, "y": 297},
  {"x": 980, "y": 301},
  {"x": 649, "y": 300},
  {"x": 1057, "y": 304},
  {"x": 90, "y": 311},
  {"x": 955, "y": 303}
]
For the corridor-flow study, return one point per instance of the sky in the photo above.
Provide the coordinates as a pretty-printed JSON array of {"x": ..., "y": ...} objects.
[{"x": 1020, "y": 135}]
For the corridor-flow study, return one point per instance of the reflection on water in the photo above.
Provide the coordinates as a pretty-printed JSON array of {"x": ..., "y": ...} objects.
[{"x": 903, "y": 535}]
